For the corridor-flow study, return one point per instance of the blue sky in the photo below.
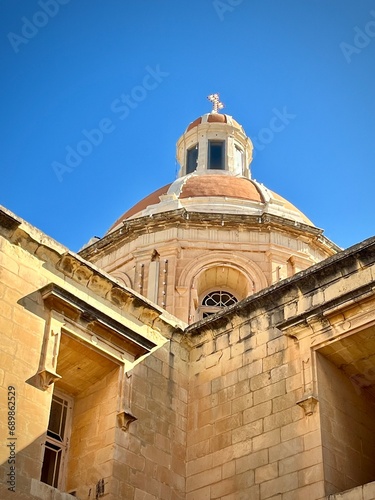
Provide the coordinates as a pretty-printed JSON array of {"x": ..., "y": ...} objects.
[{"x": 68, "y": 66}]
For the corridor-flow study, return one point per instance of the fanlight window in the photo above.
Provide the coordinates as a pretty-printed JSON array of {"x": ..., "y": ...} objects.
[{"x": 215, "y": 301}]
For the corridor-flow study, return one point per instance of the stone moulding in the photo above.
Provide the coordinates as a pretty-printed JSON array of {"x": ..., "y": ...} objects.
[
  {"x": 160, "y": 221},
  {"x": 125, "y": 418},
  {"x": 8, "y": 221},
  {"x": 56, "y": 298},
  {"x": 308, "y": 404},
  {"x": 47, "y": 378}
]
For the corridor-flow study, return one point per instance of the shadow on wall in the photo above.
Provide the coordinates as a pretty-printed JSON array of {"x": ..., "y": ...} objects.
[{"x": 347, "y": 421}]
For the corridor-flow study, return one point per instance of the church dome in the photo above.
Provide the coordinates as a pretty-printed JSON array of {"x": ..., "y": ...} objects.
[
  {"x": 214, "y": 154},
  {"x": 214, "y": 192},
  {"x": 214, "y": 235}
]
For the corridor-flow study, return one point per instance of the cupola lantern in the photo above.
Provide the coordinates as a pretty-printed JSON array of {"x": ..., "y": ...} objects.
[{"x": 215, "y": 143}]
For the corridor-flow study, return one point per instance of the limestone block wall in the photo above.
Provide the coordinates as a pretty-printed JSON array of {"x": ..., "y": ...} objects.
[
  {"x": 259, "y": 417},
  {"x": 247, "y": 437},
  {"x": 21, "y": 332},
  {"x": 150, "y": 455},
  {"x": 348, "y": 436},
  {"x": 91, "y": 450},
  {"x": 365, "y": 492},
  {"x": 46, "y": 343}
]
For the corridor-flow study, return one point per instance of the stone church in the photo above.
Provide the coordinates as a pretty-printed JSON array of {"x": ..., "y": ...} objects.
[{"x": 214, "y": 344}]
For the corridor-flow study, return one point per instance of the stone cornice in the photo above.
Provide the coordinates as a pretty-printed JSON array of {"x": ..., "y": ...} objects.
[
  {"x": 8, "y": 221},
  {"x": 59, "y": 259},
  {"x": 63, "y": 302},
  {"x": 323, "y": 310},
  {"x": 133, "y": 228},
  {"x": 355, "y": 260}
]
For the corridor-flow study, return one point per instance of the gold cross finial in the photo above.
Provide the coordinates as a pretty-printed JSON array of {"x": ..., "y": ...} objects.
[{"x": 216, "y": 103}]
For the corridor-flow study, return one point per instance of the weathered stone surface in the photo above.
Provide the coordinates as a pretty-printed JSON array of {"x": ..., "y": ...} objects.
[{"x": 215, "y": 405}]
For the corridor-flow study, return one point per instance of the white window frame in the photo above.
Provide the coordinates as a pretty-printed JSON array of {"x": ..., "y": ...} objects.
[
  {"x": 206, "y": 310},
  {"x": 64, "y": 445},
  {"x": 239, "y": 159}
]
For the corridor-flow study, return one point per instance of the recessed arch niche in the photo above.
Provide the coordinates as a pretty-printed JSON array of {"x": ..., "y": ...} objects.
[
  {"x": 220, "y": 271},
  {"x": 223, "y": 277}
]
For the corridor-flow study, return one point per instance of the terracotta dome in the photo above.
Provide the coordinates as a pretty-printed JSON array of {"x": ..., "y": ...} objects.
[
  {"x": 220, "y": 185},
  {"x": 214, "y": 154},
  {"x": 213, "y": 118},
  {"x": 151, "y": 199},
  {"x": 214, "y": 193}
]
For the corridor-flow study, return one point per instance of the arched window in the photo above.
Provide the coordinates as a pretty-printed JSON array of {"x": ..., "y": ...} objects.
[{"x": 213, "y": 302}]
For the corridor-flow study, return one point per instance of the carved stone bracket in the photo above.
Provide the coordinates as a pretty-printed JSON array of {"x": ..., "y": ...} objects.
[
  {"x": 47, "y": 378},
  {"x": 46, "y": 375},
  {"x": 308, "y": 404},
  {"x": 125, "y": 418}
]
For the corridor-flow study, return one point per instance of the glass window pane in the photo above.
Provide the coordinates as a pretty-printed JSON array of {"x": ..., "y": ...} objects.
[
  {"x": 56, "y": 443},
  {"x": 192, "y": 159},
  {"x": 51, "y": 465},
  {"x": 216, "y": 155},
  {"x": 55, "y": 416},
  {"x": 225, "y": 297}
]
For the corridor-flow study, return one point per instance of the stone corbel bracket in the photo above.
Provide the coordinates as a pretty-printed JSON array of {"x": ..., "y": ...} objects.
[
  {"x": 47, "y": 378},
  {"x": 125, "y": 418},
  {"x": 308, "y": 404},
  {"x": 48, "y": 362}
]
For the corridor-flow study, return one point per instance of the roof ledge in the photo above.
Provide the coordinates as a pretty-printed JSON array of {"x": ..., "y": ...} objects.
[{"x": 60, "y": 300}]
